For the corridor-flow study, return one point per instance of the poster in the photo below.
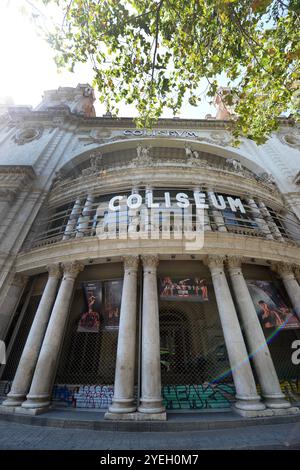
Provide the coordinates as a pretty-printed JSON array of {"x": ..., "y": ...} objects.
[
  {"x": 112, "y": 303},
  {"x": 271, "y": 306},
  {"x": 91, "y": 317},
  {"x": 190, "y": 289}
]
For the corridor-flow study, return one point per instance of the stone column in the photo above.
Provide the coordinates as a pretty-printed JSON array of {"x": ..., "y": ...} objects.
[
  {"x": 258, "y": 218},
  {"x": 207, "y": 226},
  {"x": 25, "y": 370},
  {"x": 151, "y": 400},
  {"x": 72, "y": 219},
  {"x": 257, "y": 345},
  {"x": 123, "y": 400},
  {"x": 217, "y": 214},
  {"x": 84, "y": 219},
  {"x": 269, "y": 219},
  {"x": 248, "y": 401},
  {"x": 291, "y": 285},
  {"x": 39, "y": 397},
  {"x": 10, "y": 302}
]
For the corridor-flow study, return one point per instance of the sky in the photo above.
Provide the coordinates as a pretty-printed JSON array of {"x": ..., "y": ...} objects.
[{"x": 28, "y": 69}]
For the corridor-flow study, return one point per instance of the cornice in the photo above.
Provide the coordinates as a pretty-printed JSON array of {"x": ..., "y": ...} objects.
[
  {"x": 256, "y": 250},
  {"x": 163, "y": 174}
]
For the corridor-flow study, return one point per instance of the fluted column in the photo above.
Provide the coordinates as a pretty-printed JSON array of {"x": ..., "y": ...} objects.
[
  {"x": 25, "y": 370},
  {"x": 10, "y": 302},
  {"x": 291, "y": 284},
  {"x": 151, "y": 400},
  {"x": 123, "y": 400},
  {"x": 257, "y": 345},
  {"x": 39, "y": 396},
  {"x": 246, "y": 394}
]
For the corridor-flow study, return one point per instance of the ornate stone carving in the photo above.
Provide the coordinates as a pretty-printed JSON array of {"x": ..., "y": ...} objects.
[
  {"x": 54, "y": 270},
  {"x": 131, "y": 262},
  {"x": 72, "y": 269},
  {"x": 234, "y": 164},
  {"x": 23, "y": 136},
  {"x": 95, "y": 164},
  {"x": 283, "y": 269},
  {"x": 150, "y": 261},
  {"x": 143, "y": 156},
  {"x": 234, "y": 262},
  {"x": 214, "y": 261},
  {"x": 266, "y": 178},
  {"x": 292, "y": 139}
]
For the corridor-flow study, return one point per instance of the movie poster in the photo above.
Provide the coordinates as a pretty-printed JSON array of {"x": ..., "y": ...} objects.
[
  {"x": 90, "y": 320},
  {"x": 190, "y": 289},
  {"x": 271, "y": 306},
  {"x": 112, "y": 303}
]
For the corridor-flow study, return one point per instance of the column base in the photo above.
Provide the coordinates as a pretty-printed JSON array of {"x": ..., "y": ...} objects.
[
  {"x": 13, "y": 400},
  {"x": 276, "y": 402},
  {"x": 7, "y": 409},
  {"x": 37, "y": 402},
  {"x": 31, "y": 411},
  {"x": 252, "y": 413},
  {"x": 151, "y": 406},
  {"x": 122, "y": 405},
  {"x": 249, "y": 403},
  {"x": 136, "y": 416}
]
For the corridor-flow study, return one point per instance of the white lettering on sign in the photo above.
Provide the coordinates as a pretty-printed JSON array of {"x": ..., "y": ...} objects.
[
  {"x": 159, "y": 133},
  {"x": 135, "y": 201}
]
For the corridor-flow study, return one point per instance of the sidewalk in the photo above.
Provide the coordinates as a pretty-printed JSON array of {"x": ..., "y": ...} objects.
[{"x": 71, "y": 429}]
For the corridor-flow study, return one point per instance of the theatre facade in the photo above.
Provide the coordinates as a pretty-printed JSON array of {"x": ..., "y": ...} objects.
[{"x": 146, "y": 271}]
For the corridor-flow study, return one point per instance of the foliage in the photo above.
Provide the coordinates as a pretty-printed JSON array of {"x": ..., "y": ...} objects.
[{"x": 154, "y": 53}]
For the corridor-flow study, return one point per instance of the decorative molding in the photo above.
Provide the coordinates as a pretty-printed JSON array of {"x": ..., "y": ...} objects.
[
  {"x": 234, "y": 262},
  {"x": 54, "y": 270},
  {"x": 72, "y": 269},
  {"x": 283, "y": 269},
  {"x": 150, "y": 262},
  {"x": 131, "y": 262},
  {"x": 28, "y": 134},
  {"x": 290, "y": 138},
  {"x": 214, "y": 261}
]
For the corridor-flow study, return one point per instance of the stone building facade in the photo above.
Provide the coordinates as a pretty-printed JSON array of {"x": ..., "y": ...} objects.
[{"x": 146, "y": 271}]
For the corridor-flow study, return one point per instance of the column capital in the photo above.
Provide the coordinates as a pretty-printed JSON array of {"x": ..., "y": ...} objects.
[
  {"x": 214, "y": 261},
  {"x": 297, "y": 271},
  {"x": 130, "y": 262},
  {"x": 150, "y": 261},
  {"x": 54, "y": 270},
  {"x": 71, "y": 269},
  {"x": 19, "y": 280},
  {"x": 234, "y": 262},
  {"x": 283, "y": 269}
]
